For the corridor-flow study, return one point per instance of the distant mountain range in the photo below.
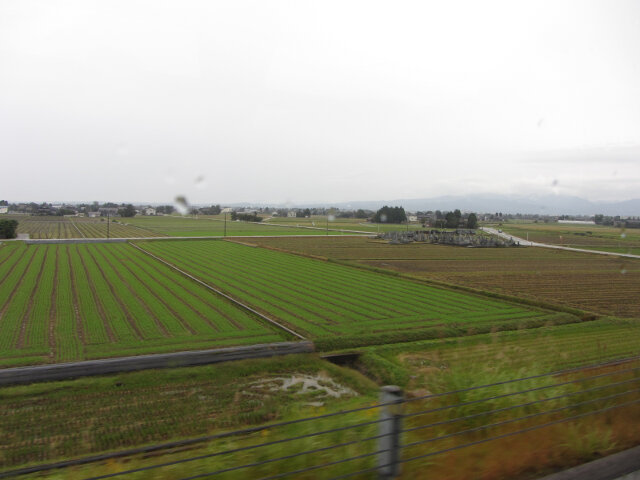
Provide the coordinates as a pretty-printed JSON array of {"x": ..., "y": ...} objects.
[{"x": 490, "y": 203}]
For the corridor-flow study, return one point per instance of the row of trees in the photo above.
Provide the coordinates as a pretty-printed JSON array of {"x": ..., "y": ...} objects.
[
  {"x": 455, "y": 220},
  {"x": 246, "y": 217},
  {"x": 390, "y": 215}
]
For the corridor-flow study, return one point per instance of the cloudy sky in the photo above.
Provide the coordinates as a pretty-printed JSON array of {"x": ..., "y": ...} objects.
[{"x": 296, "y": 101}]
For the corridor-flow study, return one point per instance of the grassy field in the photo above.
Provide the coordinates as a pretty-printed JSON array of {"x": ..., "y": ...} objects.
[
  {"x": 598, "y": 283},
  {"x": 72, "y": 302},
  {"x": 451, "y": 365},
  {"x": 340, "y": 305},
  {"x": 597, "y": 237},
  {"x": 48, "y": 421},
  {"x": 113, "y": 412},
  {"x": 76, "y": 227}
]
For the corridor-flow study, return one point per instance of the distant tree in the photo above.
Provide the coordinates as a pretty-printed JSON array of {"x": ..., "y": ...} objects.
[
  {"x": 212, "y": 210},
  {"x": 8, "y": 228},
  {"x": 360, "y": 213},
  {"x": 246, "y": 217},
  {"x": 65, "y": 211},
  {"x": 390, "y": 215},
  {"x": 472, "y": 221},
  {"x": 303, "y": 213},
  {"x": 127, "y": 211},
  {"x": 4, "y": 203},
  {"x": 166, "y": 209},
  {"x": 451, "y": 221}
]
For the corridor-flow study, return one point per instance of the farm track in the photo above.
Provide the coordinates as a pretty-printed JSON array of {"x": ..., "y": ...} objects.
[{"x": 524, "y": 242}]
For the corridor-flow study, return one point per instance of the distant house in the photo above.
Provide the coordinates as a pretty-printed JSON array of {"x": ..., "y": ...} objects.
[
  {"x": 412, "y": 218},
  {"x": 149, "y": 211},
  {"x": 226, "y": 210},
  {"x": 4, "y": 209},
  {"x": 93, "y": 214},
  {"x": 291, "y": 214},
  {"x": 274, "y": 214}
]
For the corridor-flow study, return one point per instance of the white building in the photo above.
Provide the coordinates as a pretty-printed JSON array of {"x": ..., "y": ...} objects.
[
  {"x": 291, "y": 214},
  {"x": 149, "y": 211},
  {"x": 4, "y": 209}
]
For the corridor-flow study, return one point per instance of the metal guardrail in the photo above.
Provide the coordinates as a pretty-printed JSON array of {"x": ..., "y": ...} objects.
[{"x": 396, "y": 437}]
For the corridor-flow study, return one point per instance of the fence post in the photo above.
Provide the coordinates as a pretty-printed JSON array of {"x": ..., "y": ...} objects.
[{"x": 389, "y": 431}]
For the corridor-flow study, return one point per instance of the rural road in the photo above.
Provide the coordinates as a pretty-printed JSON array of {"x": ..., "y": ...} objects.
[{"x": 527, "y": 243}]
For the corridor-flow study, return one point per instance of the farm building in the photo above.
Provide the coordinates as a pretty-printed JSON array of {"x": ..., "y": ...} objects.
[
  {"x": 291, "y": 214},
  {"x": 4, "y": 209},
  {"x": 149, "y": 211}
]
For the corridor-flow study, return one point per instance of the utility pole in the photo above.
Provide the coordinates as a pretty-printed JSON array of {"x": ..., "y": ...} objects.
[
  {"x": 108, "y": 223},
  {"x": 225, "y": 224}
]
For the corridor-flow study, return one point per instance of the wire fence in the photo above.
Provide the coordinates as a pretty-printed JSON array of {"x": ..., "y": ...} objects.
[{"x": 395, "y": 435}]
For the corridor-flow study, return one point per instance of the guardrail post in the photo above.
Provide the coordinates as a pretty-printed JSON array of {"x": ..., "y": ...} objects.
[{"x": 389, "y": 431}]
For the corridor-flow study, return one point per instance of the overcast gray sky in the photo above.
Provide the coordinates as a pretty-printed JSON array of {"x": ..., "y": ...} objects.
[{"x": 297, "y": 101}]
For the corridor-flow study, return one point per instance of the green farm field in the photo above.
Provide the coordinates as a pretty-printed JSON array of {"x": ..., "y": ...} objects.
[
  {"x": 598, "y": 283},
  {"x": 340, "y": 305},
  {"x": 214, "y": 225},
  {"x": 45, "y": 227},
  {"x": 40, "y": 227},
  {"x": 72, "y": 302}
]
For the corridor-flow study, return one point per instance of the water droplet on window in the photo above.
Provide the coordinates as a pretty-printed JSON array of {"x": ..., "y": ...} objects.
[{"x": 181, "y": 204}]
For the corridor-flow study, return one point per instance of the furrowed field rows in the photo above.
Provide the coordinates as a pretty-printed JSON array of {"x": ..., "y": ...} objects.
[
  {"x": 77, "y": 227},
  {"x": 596, "y": 283},
  {"x": 203, "y": 226},
  {"x": 326, "y": 299},
  {"x": 72, "y": 302}
]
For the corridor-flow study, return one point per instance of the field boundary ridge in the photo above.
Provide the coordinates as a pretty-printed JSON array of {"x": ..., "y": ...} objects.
[{"x": 86, "y": 368}]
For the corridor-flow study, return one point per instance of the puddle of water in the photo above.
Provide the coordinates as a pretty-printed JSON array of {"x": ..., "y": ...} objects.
[{"x": 301, "y": 384}]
